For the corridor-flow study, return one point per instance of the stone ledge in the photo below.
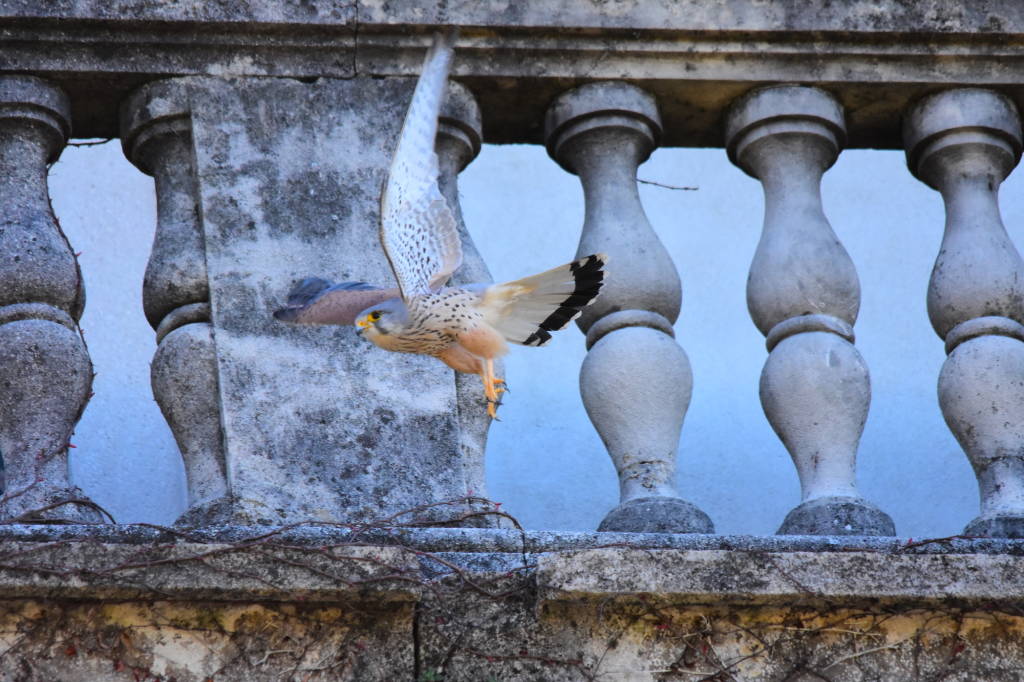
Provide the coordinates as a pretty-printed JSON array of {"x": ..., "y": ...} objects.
[
  {"x": 92, "y": 570},
  {"x": 942, "y": 17},
  {"x": 695, "y": 57},
  {"x": 386, "y": 565},
  {"x": 477, "y": 540},
  {"x": 718, "y": 577}
]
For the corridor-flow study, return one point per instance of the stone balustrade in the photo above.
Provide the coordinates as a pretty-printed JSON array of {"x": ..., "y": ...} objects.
[
  {"x": 156, "y": 136},
  {"x": 282, "y": 150},
  {"x": 636, "y": 381},
  {"x": 45, "y": 371},
  {"x": 963, "y": 143},
  {"x": 804, "y": 295}
]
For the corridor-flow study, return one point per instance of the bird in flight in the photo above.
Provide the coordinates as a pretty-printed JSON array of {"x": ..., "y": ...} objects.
[{"x": 466, "y": 327}]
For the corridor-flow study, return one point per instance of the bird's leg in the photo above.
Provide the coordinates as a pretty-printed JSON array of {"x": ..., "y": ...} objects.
[
  {"x": 498, "y": 384},
  {"x": 490, "y": 388}
]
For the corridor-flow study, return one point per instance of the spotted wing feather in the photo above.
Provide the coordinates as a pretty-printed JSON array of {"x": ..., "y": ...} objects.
[{"x": 418, "y": 229}]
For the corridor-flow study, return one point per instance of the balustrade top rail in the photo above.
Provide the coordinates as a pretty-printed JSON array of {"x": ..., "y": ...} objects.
[{"x": 694, "y": 56}]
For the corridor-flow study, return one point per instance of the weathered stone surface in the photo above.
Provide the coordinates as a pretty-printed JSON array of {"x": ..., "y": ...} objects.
[
  {"x": 963, "y": 143},
  {"x": 156, "y": 135},
  {"x": 317, "y": 424},
  {"x": 804, "y": 294},
  {"x": 37, "y": 265},
  {"x": 45, "y": 371},
  {"x": 202, "y": 641},
  {"x": 636, "y": 380},
  {"x": 706, "y": 577},
  {"x": 602, "y": 132},
  {"x": 695, "y": 57},
  {"x": 276, "y": 607},
  {"x": 184, "y": 379},
  {"x": 837, "y": 516},
  {"x": 656, "y": 515},
  {"x": 258, "y": 570}
]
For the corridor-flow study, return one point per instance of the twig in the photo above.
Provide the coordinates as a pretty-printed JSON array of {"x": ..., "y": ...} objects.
[
  {"x": 94, "y": 143},
  {"x": 865, "y": 652},
  {"x": 910, "y": 544},
  {"x": 663, "y": 185}
]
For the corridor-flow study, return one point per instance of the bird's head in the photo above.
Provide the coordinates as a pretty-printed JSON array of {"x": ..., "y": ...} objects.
[{"x": 385, "y": 318}]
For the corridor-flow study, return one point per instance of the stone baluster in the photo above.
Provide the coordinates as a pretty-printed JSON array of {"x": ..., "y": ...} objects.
[
  {"x": 636, "y": 380},
  {"x": 45, "y": 370},
  {"x": 156, "y": 137},
  {"x": 459, "y": 136},
  {"x": 803, "y": 295},
  {"x": 963, "y": 143}
]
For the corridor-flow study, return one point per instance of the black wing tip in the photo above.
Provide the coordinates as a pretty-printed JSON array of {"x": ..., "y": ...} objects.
[
  {"x": 595, "y": 262},
  {"x": 538, "y": 338},
  {"x": 588, "y": 275}
]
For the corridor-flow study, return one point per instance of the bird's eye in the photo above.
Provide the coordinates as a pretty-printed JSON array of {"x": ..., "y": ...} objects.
[{"x": 375, "y": 315}]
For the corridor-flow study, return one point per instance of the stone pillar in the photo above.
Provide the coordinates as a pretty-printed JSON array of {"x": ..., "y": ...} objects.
[
  {"x": 45, "y": 370},
  {"x": 156, "y": 134},
  {"x": 281, "y": 180},
  {"x": 804, "y": 295},
  {"x": 636, "y": 380},
  {"x": 963, "y": 143},
  {"x": 459, "y": 135}
]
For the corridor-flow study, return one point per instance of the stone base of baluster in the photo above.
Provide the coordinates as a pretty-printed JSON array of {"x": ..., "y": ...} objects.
[
  {"x": 656, "y": 515},
  {"x": 1011, "y": 527},
  {"x": 465, "y": 513},
  {"x": 216, "y": 512},
  {"x": 460, "y": 513},
  {"x": 837, "y": 516},
  {"x": 47, "y": 504}
]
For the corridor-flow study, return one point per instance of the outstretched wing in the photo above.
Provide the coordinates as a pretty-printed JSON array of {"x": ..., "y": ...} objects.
[
  {"x": 317, "y": 301},
  {"x": 418, "y": 229}
]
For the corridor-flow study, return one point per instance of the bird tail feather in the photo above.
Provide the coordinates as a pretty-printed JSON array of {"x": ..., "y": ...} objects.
[{"x": 527, "y": 310}]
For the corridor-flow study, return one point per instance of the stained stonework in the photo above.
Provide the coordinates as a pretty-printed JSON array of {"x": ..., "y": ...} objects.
[
  {"x": 317, "y": 424},
  {"x": 292, "y": 109},
  {"x": 325, "y": 603}
]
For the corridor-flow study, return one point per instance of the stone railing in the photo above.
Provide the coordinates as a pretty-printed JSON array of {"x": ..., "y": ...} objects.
[
  {"x": 267, "y": 128},
  {"x": 267, "y": 131}
]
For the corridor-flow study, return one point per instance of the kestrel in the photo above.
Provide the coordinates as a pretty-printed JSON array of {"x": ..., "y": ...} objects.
[{"x": 465, "y": 327}]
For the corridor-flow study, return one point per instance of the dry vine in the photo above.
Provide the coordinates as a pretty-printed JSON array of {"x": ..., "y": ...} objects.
[{"x": 463, "y": 623}]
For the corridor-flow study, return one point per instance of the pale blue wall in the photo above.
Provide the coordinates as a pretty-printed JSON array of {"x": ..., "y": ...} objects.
[{"x": 545, "y": 462}]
